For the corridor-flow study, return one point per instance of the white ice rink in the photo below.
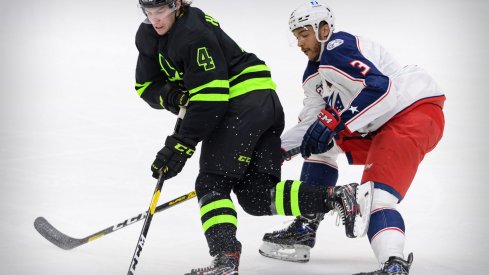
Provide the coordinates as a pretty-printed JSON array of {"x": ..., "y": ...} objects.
[{"x": 76, "y": 142}]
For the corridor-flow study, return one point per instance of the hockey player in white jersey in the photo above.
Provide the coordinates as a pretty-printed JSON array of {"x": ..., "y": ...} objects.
[
  {"x": 294, "y": 242},
  {"x": 396, "y": 109}
]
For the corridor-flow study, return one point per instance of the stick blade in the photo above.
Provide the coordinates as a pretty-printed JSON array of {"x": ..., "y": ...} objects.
[{"x": 53, "y": 235}]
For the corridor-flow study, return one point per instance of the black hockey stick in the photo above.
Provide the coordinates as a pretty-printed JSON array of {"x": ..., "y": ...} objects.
[
  {"x": 286, "y": 155},
  {"x": 151, "y": 209},
  {"x": 61, "y": 240}
]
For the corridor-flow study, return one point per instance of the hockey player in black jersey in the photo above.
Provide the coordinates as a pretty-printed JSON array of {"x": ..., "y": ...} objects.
[{"x": 186, "y": 59}]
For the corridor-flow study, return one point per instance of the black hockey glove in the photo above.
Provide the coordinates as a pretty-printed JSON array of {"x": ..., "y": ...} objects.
[
  {"x": 173, "y": 97},
  {"x": 319, "y": 137},
  {"x": 171, "y": 159}
]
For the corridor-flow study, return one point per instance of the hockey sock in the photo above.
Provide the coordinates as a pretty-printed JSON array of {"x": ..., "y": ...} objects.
[
  {"x": 217, "y": 213},
  {"x": 294, "y": 198},
  {"x": 319, "y": 174},
  {"x": 386, "y": 228}
]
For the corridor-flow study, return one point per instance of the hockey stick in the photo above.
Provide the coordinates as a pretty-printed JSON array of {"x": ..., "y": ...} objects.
[
  {"x": 151, "y": 209},
  {"x": 292, "y": 152},
  {"x": 61, "y": 240}
]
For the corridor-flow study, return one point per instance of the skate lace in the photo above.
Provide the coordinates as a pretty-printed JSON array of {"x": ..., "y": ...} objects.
[
  {"x": 203, "y": 269},
  {"x": 291, "y": 224},
  {"x": 340, "y": 218}
]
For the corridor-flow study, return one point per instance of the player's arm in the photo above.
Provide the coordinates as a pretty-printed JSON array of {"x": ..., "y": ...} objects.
[
  {"x": 313, "y": 103},
  {"x": 374, "y": 93},
  {"x": 151, "y": 85}
]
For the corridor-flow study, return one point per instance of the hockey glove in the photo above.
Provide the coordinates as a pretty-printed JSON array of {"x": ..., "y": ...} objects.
[
  {"x": 283, "y": 156},
  {"x": 171, "y": 159},
  {"x": 173, "y": 97},
  {"x": 319, "y": 137}
]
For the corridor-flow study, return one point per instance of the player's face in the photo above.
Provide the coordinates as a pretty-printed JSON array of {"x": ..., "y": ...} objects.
[
  {"x": 162, "y": 18},
  {"x": 306, "y": 40}
]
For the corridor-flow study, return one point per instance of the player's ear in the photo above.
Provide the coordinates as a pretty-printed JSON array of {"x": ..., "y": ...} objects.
[{"x": 323, "y": 30}]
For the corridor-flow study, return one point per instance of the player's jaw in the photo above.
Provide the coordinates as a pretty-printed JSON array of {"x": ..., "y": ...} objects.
[
  {"x": 306, "y": 40},
  {"x": 312, "y": 53}
]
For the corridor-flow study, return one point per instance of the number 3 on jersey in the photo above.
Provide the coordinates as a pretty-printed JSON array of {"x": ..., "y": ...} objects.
[
  {"x": 204, "y": 59},
  {"x": 359, "y": 64}
]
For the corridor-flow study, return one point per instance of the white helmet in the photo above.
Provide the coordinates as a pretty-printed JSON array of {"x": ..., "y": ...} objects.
[{"x": 312, "y": 13}]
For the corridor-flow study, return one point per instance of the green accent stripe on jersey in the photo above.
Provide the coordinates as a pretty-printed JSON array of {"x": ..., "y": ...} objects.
[
  {"x": 210, "y": 97},
  {"x": 219, "y": 220},
  {"x": 212, "y": 84},
  {"x": 252, "y": 85},
  {"x": 294, "y": 198},
  {"x": 224, "y": 203},
  {"x": 140, "y": 88},
  {"x": 251, "y": 69},
  {"x": 279, "y": 198}
]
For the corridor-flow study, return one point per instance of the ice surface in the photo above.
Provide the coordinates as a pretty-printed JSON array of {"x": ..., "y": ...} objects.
[{"x": 77, "y": 142}]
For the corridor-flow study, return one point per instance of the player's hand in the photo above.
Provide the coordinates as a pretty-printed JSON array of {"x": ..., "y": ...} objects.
[
  {"x": 173, "y": 97},
  {"x": 284, "y": 156},
  {"x": 319, "y": 137},
  {"x": 171, "y": 159}
]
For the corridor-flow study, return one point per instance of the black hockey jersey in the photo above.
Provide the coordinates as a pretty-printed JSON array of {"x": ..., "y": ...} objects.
[{"x": 199, "y": 56}]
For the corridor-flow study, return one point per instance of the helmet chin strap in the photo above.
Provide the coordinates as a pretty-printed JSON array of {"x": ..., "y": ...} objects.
[
  {"x": 316, "y": 31},
  {"x": 323, "y": 42},
  {"x": 321, "y": 51}
]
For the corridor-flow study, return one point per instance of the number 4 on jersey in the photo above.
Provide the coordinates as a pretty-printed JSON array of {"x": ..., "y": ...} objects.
[{"x": 204, "y": 59}]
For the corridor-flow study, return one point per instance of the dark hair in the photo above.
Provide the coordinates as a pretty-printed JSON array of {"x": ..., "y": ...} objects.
[{"x": 185, "y": 5}]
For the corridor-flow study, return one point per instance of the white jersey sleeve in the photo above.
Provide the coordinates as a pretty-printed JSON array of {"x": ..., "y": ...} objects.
[{"x": 313, "y": 103}]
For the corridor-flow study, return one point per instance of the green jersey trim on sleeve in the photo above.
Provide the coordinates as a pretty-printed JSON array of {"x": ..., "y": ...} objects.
[{"x": 140, "y": 88}]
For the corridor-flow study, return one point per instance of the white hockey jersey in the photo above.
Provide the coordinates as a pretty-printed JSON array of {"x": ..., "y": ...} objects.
[
  {"x": 315, "y": 94},
  {"x": 364, "y": 83}
]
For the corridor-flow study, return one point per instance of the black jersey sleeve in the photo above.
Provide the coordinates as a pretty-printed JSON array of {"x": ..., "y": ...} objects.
[{"x": 149, "y": 80}]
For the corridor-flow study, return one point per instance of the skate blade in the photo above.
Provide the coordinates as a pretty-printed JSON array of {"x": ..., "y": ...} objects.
[
  {"x": 364, "y": 198},
  {"x": 290, "y": 253}
]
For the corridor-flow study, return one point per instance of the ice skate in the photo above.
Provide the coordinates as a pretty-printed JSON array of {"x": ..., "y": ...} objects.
[
  {"x": 223, "y": 264},
  {"x": 353, "y": 203},
  {"x": 393, "y": 266},
  {"x": 294, "y": 242}
]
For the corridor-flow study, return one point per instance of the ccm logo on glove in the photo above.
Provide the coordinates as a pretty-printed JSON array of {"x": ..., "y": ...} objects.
[
  {"x": 184, "y": 149},
  {"x": 329, "y": 118}
]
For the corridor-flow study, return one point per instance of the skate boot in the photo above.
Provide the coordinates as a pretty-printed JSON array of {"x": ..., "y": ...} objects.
[
  {"x": 222, "y": 264},
  {"x": 393, "y": 266},
  {"x": 353, "y": 203},
  {"x": 294, "y": 242}
]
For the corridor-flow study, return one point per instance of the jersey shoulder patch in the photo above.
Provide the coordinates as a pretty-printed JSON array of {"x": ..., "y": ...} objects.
[{"x": 334, "y": 43}]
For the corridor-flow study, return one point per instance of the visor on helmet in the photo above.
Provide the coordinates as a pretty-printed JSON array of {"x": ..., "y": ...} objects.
[{"x": 160, "y": 8}]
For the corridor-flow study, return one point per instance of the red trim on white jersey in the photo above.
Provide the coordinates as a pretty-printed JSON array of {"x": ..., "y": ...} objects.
[
  {"x": 343, "y": 74},
  {"x": 387, "y": 229},
  {"x": 310, "y": 77},
  {"x": 369, "y": 107},
  {"x": 321, "y": 161}
]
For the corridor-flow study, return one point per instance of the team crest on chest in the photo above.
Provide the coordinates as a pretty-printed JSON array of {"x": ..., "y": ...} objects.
[
  {"x": 319, "y": 88},
  {"x": 333, "y": 44}
]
